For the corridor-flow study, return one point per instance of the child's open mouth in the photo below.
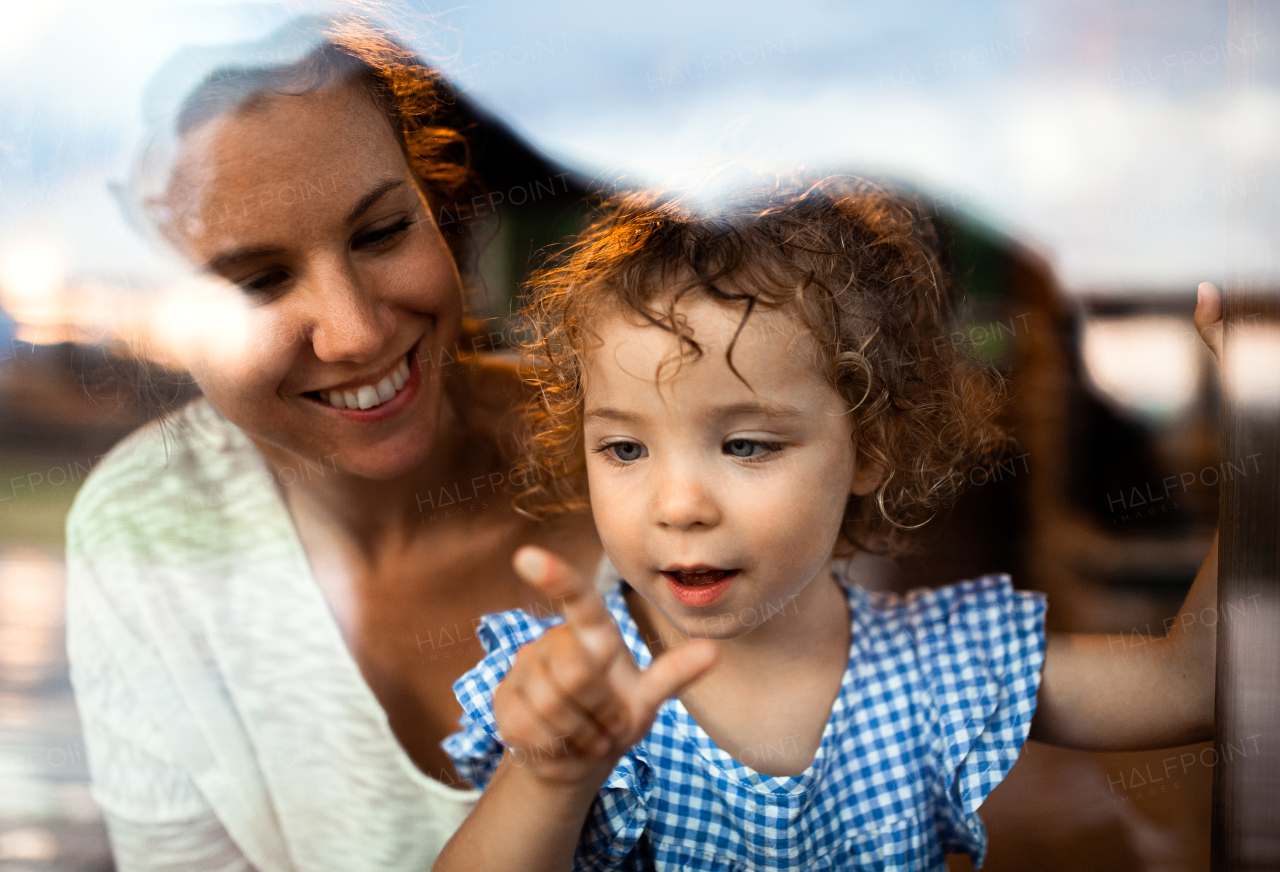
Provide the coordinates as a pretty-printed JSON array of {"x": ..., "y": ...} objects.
[
  {"x": 698, "y": 577},
  {"x": 700, "y": 585}
]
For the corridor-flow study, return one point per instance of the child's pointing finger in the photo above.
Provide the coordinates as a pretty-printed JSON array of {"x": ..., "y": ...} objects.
[{"x": 584, "y": 609}]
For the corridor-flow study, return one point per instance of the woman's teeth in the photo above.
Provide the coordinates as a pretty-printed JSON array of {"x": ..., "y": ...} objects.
[{"x": 368, "y": 396}]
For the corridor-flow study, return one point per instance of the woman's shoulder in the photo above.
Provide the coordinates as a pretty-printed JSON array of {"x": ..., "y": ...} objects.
[{"x": 157, "y": 477}]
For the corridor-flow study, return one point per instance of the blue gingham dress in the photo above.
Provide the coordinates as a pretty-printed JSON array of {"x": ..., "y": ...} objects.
[{"x": 934, "y": 707}]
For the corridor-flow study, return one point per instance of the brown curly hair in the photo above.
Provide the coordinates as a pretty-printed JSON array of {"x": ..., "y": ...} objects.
[{"x": 860, "y": 267}]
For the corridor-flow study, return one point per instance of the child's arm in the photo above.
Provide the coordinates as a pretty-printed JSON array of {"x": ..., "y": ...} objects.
[
  {"x": 573, "y": 702},
  {"x": 1109, "y": 693},
  {"x": 1132, "y": 692}
]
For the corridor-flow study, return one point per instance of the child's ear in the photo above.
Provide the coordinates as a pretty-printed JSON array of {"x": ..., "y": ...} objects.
[{"x": 867, "y": 476}]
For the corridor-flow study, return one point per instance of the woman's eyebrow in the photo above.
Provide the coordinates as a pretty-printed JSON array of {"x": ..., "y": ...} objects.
[
  {"x": 372, "y": 197},
  {"x": 221, "y": 261}
]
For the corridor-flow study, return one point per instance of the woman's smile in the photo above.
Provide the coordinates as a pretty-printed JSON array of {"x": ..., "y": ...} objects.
[{"x": 372, "y": 398}]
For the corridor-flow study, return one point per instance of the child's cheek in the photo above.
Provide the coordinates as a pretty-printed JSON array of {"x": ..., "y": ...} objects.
[
  {"x": 617, "y": 520},
  {"x": 803, "y": 510}
]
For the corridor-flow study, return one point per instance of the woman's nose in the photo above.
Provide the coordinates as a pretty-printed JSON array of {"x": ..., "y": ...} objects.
[
  {"x": 685, "y": 499},
  {"x": 348, "y": 321}
]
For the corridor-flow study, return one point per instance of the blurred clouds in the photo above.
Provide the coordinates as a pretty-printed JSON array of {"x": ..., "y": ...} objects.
[{"x": 1101, "y": 135}]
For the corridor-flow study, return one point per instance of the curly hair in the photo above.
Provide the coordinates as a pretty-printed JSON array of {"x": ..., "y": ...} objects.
[{"x": 857, "y": 264}]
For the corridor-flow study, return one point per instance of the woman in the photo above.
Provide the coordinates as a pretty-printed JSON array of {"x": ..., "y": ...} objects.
[{"x": 268, "y": 597}]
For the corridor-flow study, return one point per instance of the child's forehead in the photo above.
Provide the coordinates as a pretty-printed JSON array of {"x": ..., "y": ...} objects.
[
  {"x": 699, "y": 316},
  {"x": 704, "y": 317},
  {"x": 764, "y": 346}
]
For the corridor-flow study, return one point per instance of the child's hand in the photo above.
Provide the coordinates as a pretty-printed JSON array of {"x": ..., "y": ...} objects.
[
  {"x": 574, "y": 700},
  {"x": 1208, "y": 317},
  {"x": 554, "y": 709}
]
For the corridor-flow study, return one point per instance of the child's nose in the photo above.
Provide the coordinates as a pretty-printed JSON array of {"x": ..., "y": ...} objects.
[{"x": 683, "y": 501}]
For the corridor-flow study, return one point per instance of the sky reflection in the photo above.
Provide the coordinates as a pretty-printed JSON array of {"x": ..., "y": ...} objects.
[{"x": 1100, "y": 135}]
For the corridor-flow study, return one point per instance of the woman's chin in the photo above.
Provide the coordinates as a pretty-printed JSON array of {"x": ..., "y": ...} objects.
[{"x": 385, "y": 461}]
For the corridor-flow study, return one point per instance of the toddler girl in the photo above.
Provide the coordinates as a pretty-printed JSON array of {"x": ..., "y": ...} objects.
[{"x": 744, "y": 396}]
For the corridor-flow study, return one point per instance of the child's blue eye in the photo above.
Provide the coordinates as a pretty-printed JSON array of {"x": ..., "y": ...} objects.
[
  {"x": 743, "y": 448},
  {"x": 626, "y": 451}
]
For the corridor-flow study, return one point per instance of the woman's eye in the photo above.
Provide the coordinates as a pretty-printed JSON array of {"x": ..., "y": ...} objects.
[
  {"x": 626, "y": 451},
  {"x": 749, "y": 447},
  {"x": 374, "y": 238},
  {"x": 265, "y": 282}
]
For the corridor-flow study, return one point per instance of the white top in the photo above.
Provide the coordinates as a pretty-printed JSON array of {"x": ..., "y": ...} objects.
[{"x": 228, "y": 726}]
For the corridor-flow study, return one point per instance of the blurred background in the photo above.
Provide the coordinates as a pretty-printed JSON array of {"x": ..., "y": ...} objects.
[{"x": 1078, "y": 157}]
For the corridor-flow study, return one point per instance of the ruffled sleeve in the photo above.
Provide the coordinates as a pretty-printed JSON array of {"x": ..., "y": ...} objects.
[
  {"x": 982, "y": 645},
  {"x": 611, "y": 838},
  {"x": 475, "y": 748}
]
